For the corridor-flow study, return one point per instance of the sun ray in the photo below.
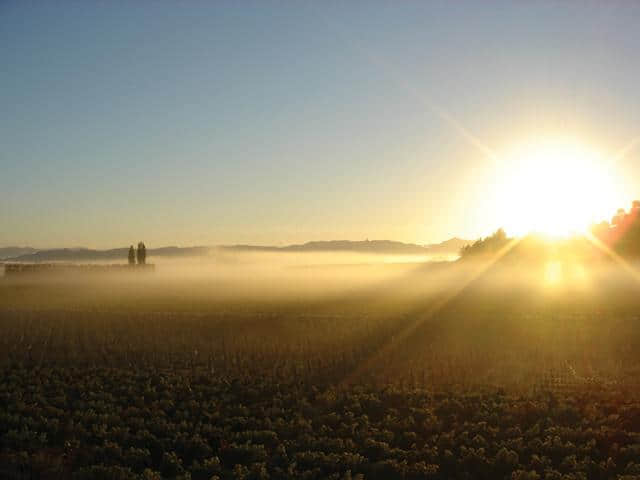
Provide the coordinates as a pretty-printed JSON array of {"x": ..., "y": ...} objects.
[
  {"x": 387, "y": 69},
  {"x": 447, "y": 118},
  {"x": 398, "y": 338},
  {"x": 613, "y": 255},
  {"x": 622, "y": 153},
  {"x": 558, "y": 187}
]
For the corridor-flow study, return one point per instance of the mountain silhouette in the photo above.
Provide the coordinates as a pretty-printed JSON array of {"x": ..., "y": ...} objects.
[
  {"x": 11, "y": 252},
  {"x": 387, "y": 247},
  {"x": 87, "y": 254}
]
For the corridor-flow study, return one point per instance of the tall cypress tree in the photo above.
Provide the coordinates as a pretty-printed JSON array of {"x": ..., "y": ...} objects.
[{"x": 142, "y": 254}]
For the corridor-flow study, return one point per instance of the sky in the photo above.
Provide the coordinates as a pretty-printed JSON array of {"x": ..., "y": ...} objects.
[{"x": 187, "y": 123}]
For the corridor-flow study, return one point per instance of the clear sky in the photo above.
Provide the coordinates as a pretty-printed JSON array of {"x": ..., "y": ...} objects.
[{"x": 278, "y": 122}]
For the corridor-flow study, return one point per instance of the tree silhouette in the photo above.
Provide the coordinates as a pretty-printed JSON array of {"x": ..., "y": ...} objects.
[
  {"x": 142, "y": 253},
  {"x": 487, "y": 245},
  {"x": 132, "y": 255},
  {"x": 623, "y": 233}
]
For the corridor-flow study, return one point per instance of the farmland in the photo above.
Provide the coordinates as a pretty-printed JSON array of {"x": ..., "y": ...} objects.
[{"x": 385, "y": 372}]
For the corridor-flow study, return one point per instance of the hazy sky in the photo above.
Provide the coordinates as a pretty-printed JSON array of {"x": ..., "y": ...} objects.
[{"x": 277, "y": 122}]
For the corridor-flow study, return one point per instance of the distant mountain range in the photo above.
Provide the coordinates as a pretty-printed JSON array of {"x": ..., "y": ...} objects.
[
  {"x": 87, "y": 254},
  {"x": 386, "y": 247},
  {"x": 10, "y": 252}
]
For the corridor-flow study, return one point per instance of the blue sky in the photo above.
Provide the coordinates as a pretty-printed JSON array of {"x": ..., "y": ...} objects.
[{"x": 279, "y": 122}]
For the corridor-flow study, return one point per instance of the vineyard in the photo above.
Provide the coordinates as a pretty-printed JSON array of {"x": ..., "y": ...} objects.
[{"x": 135, "y": 381}]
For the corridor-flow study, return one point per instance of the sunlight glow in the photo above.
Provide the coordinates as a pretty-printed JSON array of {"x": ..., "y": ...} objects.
[
  {"x": 556, "y": 187},
  {"x": 553, "y": 274},
  {"x": 387, "y": 348}
]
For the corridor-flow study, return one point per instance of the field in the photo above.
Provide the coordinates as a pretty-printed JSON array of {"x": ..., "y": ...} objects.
[{"x": 409, "y": 371}]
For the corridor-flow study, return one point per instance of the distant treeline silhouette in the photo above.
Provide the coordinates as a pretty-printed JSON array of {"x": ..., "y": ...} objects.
[
  {"x": 487, "y": 245},
  {"x": 621, "y": 234}
]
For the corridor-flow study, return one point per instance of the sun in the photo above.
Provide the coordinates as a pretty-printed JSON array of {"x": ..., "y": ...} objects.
[{"x": 555, "y": 187}]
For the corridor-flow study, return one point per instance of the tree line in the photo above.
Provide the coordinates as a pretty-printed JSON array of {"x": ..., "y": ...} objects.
[{"x": 621, "y": 234}]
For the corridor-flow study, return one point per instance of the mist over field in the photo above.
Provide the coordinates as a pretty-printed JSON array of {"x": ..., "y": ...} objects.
[
  {"x": 331, "y": 362},
  {"x": 337, "y": 362},
  {"x": 468, "y": 302},
  {"x": 319, "y": 240}
]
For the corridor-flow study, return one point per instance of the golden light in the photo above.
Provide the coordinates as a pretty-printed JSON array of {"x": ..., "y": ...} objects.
[
  {"x": 555, "y": 187},
  {"x": 553, "y": 273}
]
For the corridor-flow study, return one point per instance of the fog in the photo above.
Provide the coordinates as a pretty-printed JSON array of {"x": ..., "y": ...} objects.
[
  {"x": 369, "y": 281},
  {"x": 201, "y": 281},
  {"x": 483, "y": 321}
]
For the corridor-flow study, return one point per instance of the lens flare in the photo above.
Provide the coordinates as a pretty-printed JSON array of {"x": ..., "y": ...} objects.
[{"x": 556, "y": 188}]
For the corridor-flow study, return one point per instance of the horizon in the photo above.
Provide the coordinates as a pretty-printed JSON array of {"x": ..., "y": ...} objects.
[
  {"x": 564, "y": 234},
  {"x": 426, "y": 245},
  {"x": 320, "y": 240},
  {"x": 221, "y": 124}
]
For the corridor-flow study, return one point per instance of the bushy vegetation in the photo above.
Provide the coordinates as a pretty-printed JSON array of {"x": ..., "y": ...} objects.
[
  {"x": 92, "y": 422},
  {"x": 485, "y": 387}
]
